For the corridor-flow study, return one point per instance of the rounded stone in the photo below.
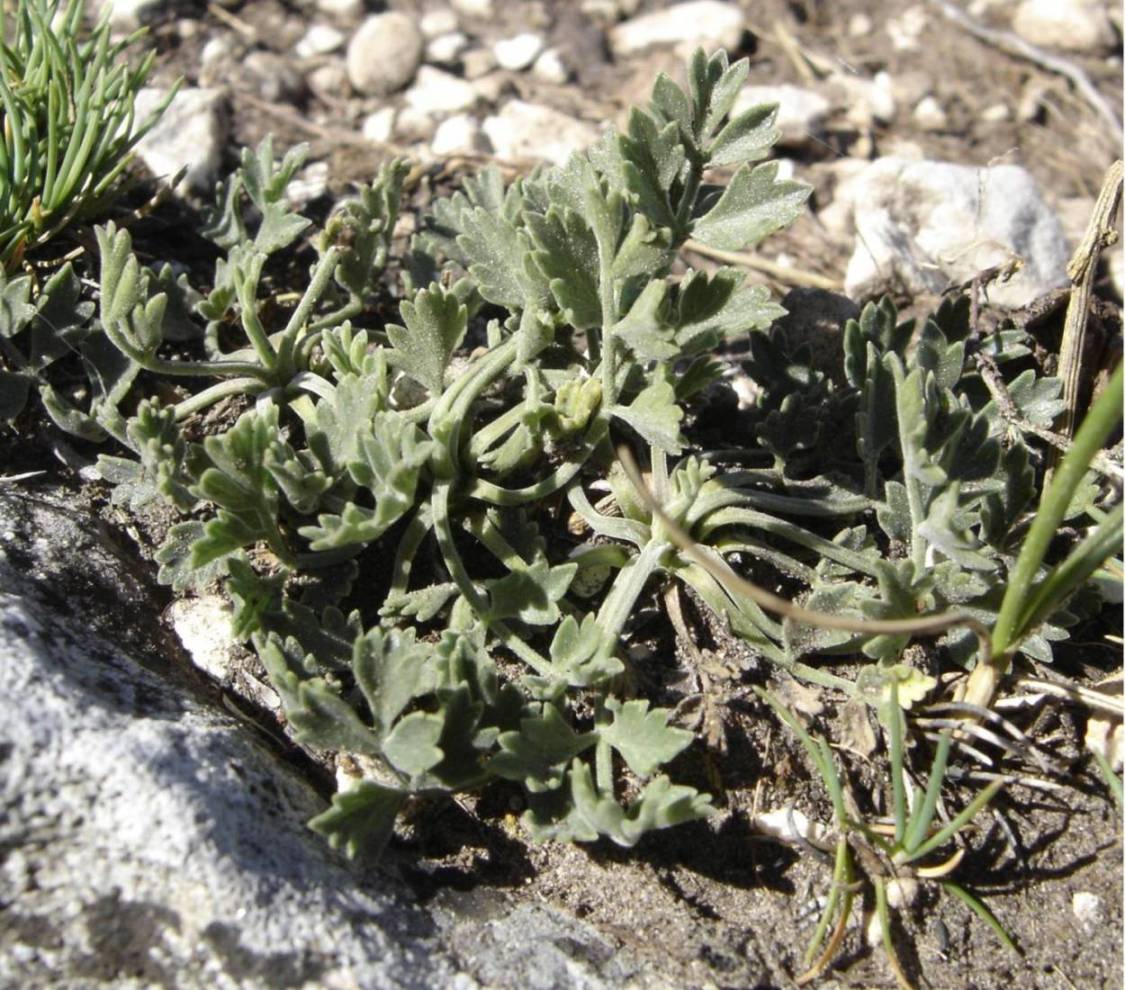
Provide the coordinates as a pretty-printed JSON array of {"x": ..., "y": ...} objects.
[{"x": 384, "y": 54}]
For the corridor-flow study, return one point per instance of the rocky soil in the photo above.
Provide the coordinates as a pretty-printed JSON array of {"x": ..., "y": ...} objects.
[{"x": 152, "y": 827}]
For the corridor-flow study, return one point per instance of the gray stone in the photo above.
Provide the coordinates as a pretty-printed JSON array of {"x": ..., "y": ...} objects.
[
  {"x": 551, "y": 67},
  {"x": 384, "y": 54},
  {"x": 477, "y": 62},
  {"x": 929, "y": 114},
  {"x": 128, "y": 15},
  {"x": 435, "y": 23},
  {"x": 710, "y": 23},
  {"x": 532, "y": 131},
  {"x": 518, "y": 52},
  {"x": 1074, "y": 25},
  {"x": 275, "y": 78},
  {"x": 459, "y": 135},
  {"x": 192, "y": 134},
  {"x": 437, "y": 92},
  {"x": 348, "y": 11},
  {"x": 380, "y": 125},
  {"x": 923, "y": 225},
  {"x": 320, "y": 39}
]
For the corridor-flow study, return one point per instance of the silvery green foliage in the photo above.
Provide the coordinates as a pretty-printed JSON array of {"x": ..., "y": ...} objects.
[{"x": 541, "y": 325}]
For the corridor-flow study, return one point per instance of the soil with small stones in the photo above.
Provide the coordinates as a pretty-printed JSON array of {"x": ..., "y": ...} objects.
[{"x": 720, "y": 904}]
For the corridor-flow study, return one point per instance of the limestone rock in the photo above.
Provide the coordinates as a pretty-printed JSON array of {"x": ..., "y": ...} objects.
[
  {"x": 519, "y": 52},
  {"x": 384, "y": 53},
  {"x": 192, "y": 133},
  {"x": 1074, "y": 25},
  {"x": 710, "y": 23},
  {"x": 459, "y": 135},
  {"x": 923, "y": 225},
  {"x": 320, "y": 39},
  {"x": 437, "y": 92},
  {"x": 530, "y": 130}
]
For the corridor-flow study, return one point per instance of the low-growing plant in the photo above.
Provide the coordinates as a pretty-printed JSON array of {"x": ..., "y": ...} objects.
[
  {"x": 69, "y": 120},
  {"x": 383, "y": 499}
]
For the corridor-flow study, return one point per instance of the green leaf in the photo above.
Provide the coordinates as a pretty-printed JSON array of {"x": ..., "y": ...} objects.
[
  {"x": 537, "y": 755},
  {"x": 642, "y": 737},
  {"x": 411, "y": 746},
  {"x": 580, "y": 655},
  {"x": 435, "y": 324},
  {"x": 752, "y": 207},
  {"x": 361, "y": 819},
  {"x": 567, "y": 254},
  {"x": 947, "y": 527},
  {"x": 747, "y": 137},
  {"x": 391, "y": 669},
  {"x": 655, "y": 415},
  {"x": 531, "y": 594}
]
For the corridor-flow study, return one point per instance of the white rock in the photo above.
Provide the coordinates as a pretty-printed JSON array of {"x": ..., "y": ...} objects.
[
  {"x": 998, "y": 113},
  {"x": 860, "y": 26},
  {"x": 867, "y": 101},
  {"x": 490, "y": 88},
  {"x": 328, "y": 80},
  {"x": 414, "y": 125},
  {"x": 435, "y": 23},
  {"x": 477, "y": 62},
  {"x": 1089, "y": 909},
  {"x": 437, "y": 92},
  {"x": 529, "y": 130},
  {"x": 217, "y": 49},
  {"x": 384, "y": 53},
  {"x": 710, "y": 23},
  {"x": 906, "y": 30},
  {"x": 1117, "y": 276},
  {"x": 800, "y": 112},
  {"x": 550, "y": 67},
  {"x": 348, "y": 11},
  {"x": 319, "y": 39},
  {"x": 791, "y": 825},
  {"x": 519, "y": 52},
  {"x": 380, "y": 125},
  {"x": 924, "y": 225},
  {"x": 307, "y": 185},
  {"x": 203, "y": 625},
  {"x": 192, "y": 133},
  {"x": 128, "y": 15},
  {"x": 474, "y": 8},
  {"x": 445, "y": 49},
  {"x": 459, "y": 135},
  {"x": 929, "y": 114},
  {"x": 1074, "y": 25}
]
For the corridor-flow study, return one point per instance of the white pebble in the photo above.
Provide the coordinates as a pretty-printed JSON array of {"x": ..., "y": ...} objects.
[{"x": 379, "y": 126}]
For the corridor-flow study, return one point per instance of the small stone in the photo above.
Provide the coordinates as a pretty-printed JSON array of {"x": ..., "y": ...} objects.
[
  {"x": 445, "y": 49},
  {"x": 379, "y": 126},
  {"x": 519, "y": 52},
  {"x": 384, "y": 54},
  {"x": 348, "y": 11},
  {"x": 1074, "y": 25},
  {"x": 491, "y": 87},
  {"x": 307, "y": 185},
  {"x": 192, "y": 133},
  {"x": 474, "y": 8},
  {"x": 274, "y": 77},
  {"x": 459, "y": 135},
  {"x": 1089, "y": 909},
  {"x": 328, "y": 80},
  {"x": 435, "y": 23},
  {"x": 867, "y": 101},
  {"x": 929, "y": 115},
  {"x": 128, "y": 15},
  {"x": 530, "y": 130},
  {"x": 320, "y": 39},
  {"x": 860, "y": 26},
  {"x": 709, "y": 23},
  {"x": 203, "y": 625},
  {"x": 998, "y": 113},
  {"x": 1030, "y": 107},
  {"x": 414, "y": 125},
  {"x": 905, "y": 31},
  {"x": 477, "y": 62},
  {"x": 550, "y": 68},
  {"x": 800, "y": 112},
  {"x": 217, "y": 49},
  {"x": 437, "y": 92}
]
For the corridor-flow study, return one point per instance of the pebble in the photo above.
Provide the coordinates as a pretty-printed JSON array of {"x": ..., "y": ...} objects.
[
  {"x": 192, "y": 133},
  {"x": 800, "y": 112},
  {"x": 550, "y": 68},
  {"x": 519, "y": 52},
  {"x": 929, "y": 114},
  {"x": 414, "y": 125},
  {"x": 474, "y": 8},
  {"x": 905, "y": 31},
  {"x": 867, "y": 101},
  {"x": 274, "y": 77},
  {"x": 1080, "y": 26},
  {"x": 328, "y": 80},
  {"x": 920, "y": 226},
  {"x": 998, "y": 113},
  {"x": 1089, "y": 909},
  {"x": 436, "y": 92},
  {"x": 128, "y": 15},
  {"x": 217, "y": 49},
  {"x": 459, "y": 135},
  {"x": 860, "y": 26},
  {"x": 320, "y": 39},
  {"x": 446, "y": 49},
  {"x": 384, "y": 54},
  {"x": 530, "y": 130},
  {"x": 477, "y": 62},
  {"x": 379, "y": 126},
  {"x": 710, "y": 23},
  {"x": 348, "y": 11},
  {"x": 435, "y": 23}
]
